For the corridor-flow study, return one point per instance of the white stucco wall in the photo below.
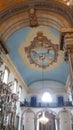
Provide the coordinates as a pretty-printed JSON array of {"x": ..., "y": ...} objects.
[
  {"x": 53, "y": 87},
  {"x": 63, "y": 118},
  {"x": 65, "y": 122}
]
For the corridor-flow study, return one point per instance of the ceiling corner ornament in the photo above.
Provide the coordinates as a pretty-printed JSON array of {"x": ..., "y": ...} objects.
[{"x": 41, "y": 51}]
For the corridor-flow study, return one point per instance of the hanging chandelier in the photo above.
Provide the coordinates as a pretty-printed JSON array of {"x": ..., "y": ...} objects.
[{"x": 43, "y": 119}]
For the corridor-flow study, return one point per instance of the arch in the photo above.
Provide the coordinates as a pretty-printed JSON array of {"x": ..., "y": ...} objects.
[
  {"x": 51, "y": 117},
  {"x": 64, "y": 110},
  {"x": 65, "y": 116},
  {"x": 22, "y": 20},
  {"x": 53, "y": 6},
  {"x": 50, "y": 111},
  {"x": 50, "y": 13},
  {"x": 28, "y": 110}
]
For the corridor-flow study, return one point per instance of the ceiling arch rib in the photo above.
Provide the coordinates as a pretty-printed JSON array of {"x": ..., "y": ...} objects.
[
  {"x": 8, "y": 3},
  {"x": 48, "y": 13},
  {"x": 22, "y": 20},
  {"x": 52, "y": 19},
  {"x": 52, "y": 6}
]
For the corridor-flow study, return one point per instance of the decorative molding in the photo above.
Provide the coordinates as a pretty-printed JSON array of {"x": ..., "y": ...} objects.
[
  {"x": 33, "y": 18},
  {"x": 35, "y": 91},
  {"x": 1, "y": 61},
  {"x": 22, "y": 20},
  {"x": 52, "y": 6},
  {"x": 13, "y": 11},
  {"x": 66, "y": 30},
  {"x": 70, "y": 49},
  {"x": 3, "y": 51},
  {"x": 57, "y": 8},
  {"x": 68, "y": 42},
  {"x": 3, "y": 48}
]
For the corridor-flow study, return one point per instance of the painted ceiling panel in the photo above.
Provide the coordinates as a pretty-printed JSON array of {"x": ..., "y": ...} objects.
[{"x": 32, "y": 72}]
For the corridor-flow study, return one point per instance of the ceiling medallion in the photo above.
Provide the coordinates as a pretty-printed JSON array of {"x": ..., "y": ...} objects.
[{"x": 41, "y": 52}]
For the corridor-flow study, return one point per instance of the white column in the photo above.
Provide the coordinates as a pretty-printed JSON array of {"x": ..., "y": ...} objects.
[
  {"x": 68, "y": 45},
  {"x": 56, "y": 124}
]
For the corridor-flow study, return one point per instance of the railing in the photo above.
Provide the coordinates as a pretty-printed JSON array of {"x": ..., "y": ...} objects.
[{"x": 50, "y": 105}]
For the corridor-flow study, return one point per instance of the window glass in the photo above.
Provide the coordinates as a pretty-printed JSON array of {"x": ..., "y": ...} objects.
[
  {"x": 15, "y": 86},
  {"x": 20, "y": 90},
  {"x": 46, "y": 97},
  {"x": 6, "y": 74}
]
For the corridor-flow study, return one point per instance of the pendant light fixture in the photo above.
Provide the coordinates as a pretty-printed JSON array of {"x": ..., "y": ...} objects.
[{"x": 43, "y": 119}]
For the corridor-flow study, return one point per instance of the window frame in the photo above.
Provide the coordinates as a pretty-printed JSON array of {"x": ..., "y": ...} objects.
[
  {"x": 15, "y": 89},
  {"x": 19, "y": 94}
]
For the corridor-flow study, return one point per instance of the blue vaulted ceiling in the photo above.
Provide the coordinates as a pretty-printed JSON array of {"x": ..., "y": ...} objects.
[{"x": 29, "y": 74}]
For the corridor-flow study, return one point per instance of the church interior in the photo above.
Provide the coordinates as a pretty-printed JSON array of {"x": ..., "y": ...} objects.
[{"x": 36, "y": 64}]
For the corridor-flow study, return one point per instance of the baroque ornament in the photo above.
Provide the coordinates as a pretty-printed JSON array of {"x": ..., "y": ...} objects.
[
  {"x": 33, "y": 18},
  {"x": 41, "y": 52}
]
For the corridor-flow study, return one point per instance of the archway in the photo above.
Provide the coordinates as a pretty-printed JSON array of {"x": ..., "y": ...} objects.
[{"x": 51, "y": 124}]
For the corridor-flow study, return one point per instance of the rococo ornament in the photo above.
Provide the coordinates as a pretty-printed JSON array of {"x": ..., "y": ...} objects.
[{"x": 41, "y": 51}]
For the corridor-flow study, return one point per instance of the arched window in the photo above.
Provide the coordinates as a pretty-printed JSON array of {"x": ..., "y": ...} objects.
[
  {"x": 6, "y": 75},
  {"x": 20, "y": 90},
  {"x": 46, "y": 97},
  {"x": 15, "y": 86}
]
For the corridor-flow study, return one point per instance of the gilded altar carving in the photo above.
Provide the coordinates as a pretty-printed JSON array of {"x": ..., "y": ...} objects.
[
  {"x": 7, "y": 105},
  {"x": 68, "y": 47},
  {"x": 3, "y": 51},
  {"x": 68, "y": 44}
]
